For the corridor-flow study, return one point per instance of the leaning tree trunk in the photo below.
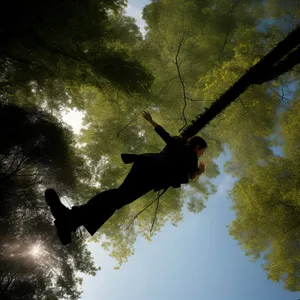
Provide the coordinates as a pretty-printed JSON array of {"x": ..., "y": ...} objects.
[{"x": 268, "y": 68}]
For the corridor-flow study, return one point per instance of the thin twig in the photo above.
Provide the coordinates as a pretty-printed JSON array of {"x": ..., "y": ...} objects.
[
  {"x": 156, "y": 199},
  {"x": 281, "y": 96},
  {"x": 131, "y": 121},
  {"x": 248, "y": 111},
  {"x": 155, "y": 214},
  {"x": 228, "y": 30}
]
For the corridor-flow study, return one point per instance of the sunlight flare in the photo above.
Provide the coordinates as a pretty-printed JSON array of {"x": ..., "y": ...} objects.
[{"x": 36, "y": 250}]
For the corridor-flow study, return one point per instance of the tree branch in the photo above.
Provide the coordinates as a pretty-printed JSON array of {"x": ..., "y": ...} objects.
[
  {"x": 131, "y": 121},
  {"x": 280, "y": 68},
  {"x": 281, "y": 96},
  {"x": 20, "y": 165},
  {"x": 140, "y": 213},
  {"x": 155, "y": 214},
  {"x": 181, "y": 81},
  {"x": 264, "y": 65},
  {"x": 247, "y": 111},
  {"x": 228, "y": 29}
]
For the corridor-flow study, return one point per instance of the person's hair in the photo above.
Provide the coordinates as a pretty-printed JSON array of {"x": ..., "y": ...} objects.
[{"x": 197, "y": 141}]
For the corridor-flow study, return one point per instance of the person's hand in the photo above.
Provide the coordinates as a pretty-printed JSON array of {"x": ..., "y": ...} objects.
[
  {"x": 146, "y": 115},
  {"x": 201, "y": 167}
]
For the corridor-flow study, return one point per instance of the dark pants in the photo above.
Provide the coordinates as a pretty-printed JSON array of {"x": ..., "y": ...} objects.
[{"x": 141, "y": 179}]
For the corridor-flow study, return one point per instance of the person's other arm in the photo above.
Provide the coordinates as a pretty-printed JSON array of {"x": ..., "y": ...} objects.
[
  {"x": 158, "y": 128},
  {"x": 197, "y": 174}
]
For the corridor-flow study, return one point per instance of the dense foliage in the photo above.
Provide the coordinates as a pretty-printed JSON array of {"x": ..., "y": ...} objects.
[{"x": 90, "y": 56}]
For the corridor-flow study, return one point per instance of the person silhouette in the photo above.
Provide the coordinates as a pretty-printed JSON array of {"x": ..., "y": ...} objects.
[{"x": 176, "y": 164}]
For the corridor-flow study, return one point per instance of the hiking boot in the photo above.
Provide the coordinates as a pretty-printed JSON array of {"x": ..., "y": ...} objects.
[
  {"x": 63, "y": 217},
  {"x": 63, "y": 231},
  {"x": 58, "y": 210}
]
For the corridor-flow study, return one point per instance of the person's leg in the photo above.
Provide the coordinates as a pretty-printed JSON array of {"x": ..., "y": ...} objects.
[
  {"x": 100, "y": 208},
  {"x": 96, "y": 211},
  {"x": 64, "y": 222},
  {"x": 93, "y": 214}
]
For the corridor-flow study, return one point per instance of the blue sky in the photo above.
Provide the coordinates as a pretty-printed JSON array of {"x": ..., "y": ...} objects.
[{"x": 196, "y": 260}]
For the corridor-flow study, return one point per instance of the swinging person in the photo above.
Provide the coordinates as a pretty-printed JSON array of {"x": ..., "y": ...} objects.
[{"x": 173, "y": 166}]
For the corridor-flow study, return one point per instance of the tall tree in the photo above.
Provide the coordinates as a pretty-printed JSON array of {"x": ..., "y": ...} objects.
[
  {"x": 36, "y": 151},
  {"x": 99, "y": 63},
  {"x": 55, "y": 47},
  {"x": 266, "y": 201}
]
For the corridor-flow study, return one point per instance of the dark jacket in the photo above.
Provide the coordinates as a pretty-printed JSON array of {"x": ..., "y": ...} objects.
[{"x": 173, "y": 164}]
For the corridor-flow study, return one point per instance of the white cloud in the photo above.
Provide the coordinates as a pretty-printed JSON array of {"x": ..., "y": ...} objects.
[{"x": 136, "y": 13}]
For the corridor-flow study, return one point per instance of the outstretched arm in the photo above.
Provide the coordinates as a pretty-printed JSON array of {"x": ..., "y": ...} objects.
[
  {"x": 146, "y": 115},
  {"x": 162, "y": 133}
]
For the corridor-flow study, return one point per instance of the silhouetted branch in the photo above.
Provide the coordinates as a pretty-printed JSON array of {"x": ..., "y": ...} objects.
[
  {"x": 181, "y": 81},
  {"x": 131, "y": 121},
  {"x": 247, "y": 110},
  {"x": 21, "y": 164},
  {"x": 281, "y": 96},
  {"x": 155, "y": 214},
  {"x": 281, "y": 67},
  {"x": 228, "y": 29},
  {"x": 141, "y": 212}
]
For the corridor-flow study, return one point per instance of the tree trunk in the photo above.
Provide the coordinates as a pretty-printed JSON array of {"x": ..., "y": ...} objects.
[{"x": 268, "y": 68}]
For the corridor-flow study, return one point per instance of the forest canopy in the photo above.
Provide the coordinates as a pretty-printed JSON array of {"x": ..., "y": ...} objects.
[{"x": 90, "y": 56}]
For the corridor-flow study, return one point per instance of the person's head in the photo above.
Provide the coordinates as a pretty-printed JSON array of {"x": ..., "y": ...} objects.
[{"x": 198, "y": 144}]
